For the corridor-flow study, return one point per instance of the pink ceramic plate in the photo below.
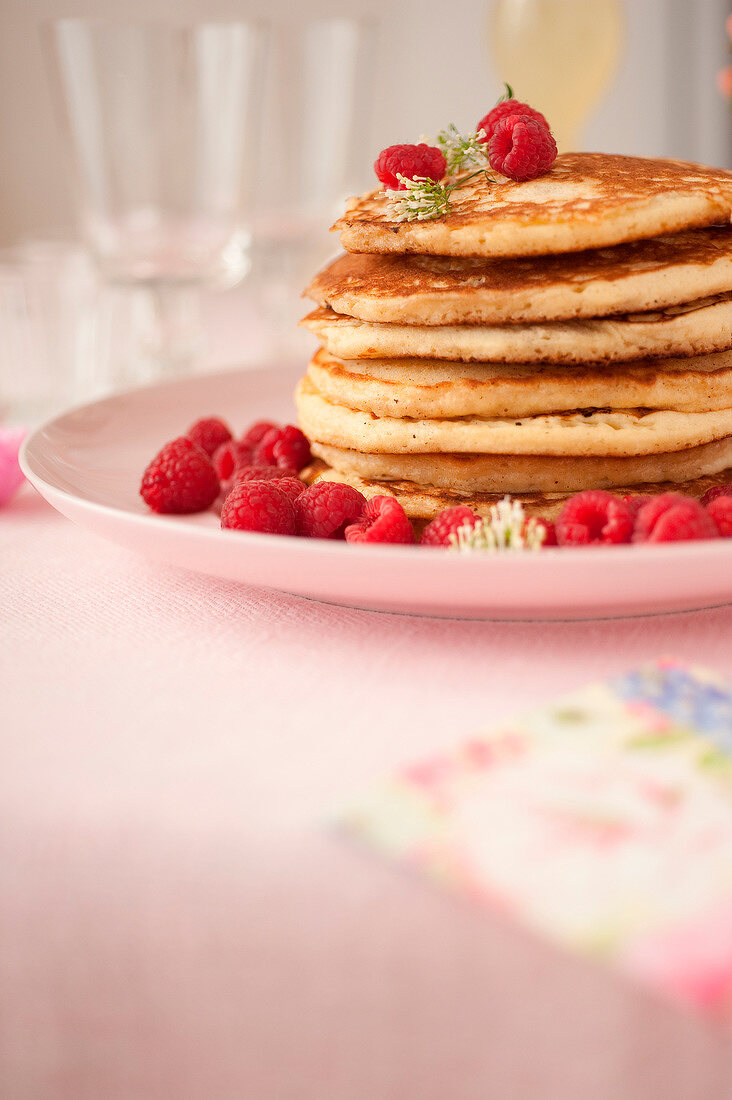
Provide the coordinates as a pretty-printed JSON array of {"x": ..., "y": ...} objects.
[{"x": 87, "y": 464}]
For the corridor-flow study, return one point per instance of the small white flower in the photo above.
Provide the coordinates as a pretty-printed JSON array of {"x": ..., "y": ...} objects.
[
  {"x": 460, "y": 151},
  {"x": 422, "y": 199},
  {"x": 505, "y": 528}
]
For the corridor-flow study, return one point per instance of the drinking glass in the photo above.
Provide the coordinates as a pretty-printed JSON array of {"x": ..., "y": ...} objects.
[
  {"x": 161, "y": 123},
  {"x": 559, "y": 56},
  {"x": 48, "y": 300},
  {"x": 316, "y": 151}
]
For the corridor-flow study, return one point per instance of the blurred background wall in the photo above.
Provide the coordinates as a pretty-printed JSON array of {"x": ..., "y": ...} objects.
[{"x": 433, "y": 64}]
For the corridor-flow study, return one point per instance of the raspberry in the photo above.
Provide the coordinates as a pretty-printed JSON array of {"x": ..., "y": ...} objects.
[
  {"x": 325, "y": 509},
  {"x": 438, "y": 531},
  {"x": 673, "y": 518},
  {"x": 383, "y": 520},
  {"x": 720, "y": 511},
  {"x": 264, "y": 473},
  {"x": 230, "y": 457},
  {"x": 292, "y": 487},
  {"x": 550, "y": 531},
  {"x": 257, "y": 432},
  {"x": 409, "y": 161},
  {"x": 504, "y": 108},
  {"x": 521, "y": 148},
  {"x": 593, "y": 516},
  {"x": 258, "y": 506},
  {"x": 210, "y": 433},
  {"x": 180, "y": 479},
  {"x": 715, "y": 492},
  {"x": 262, "y": 454},
  {"x": 292, "y": 448},
  {"x": 635, "y": 502},
  {"x": 286, "y": 480},
  {"x": 283, "y": 447}
]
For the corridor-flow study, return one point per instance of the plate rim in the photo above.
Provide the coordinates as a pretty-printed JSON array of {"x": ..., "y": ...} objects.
[
  {"x": 625, "y": 552},
  {"x": 555, "y": 584}
]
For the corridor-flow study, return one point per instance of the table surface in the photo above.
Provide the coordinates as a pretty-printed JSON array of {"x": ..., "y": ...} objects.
[{"x": 178, "y": 916}]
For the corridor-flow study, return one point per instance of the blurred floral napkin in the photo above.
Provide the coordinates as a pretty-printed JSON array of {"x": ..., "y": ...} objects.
[{"x": 604, "y": 821}]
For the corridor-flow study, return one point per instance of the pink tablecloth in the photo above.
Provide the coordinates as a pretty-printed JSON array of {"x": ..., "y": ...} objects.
[{"x": 177, "y": 918}]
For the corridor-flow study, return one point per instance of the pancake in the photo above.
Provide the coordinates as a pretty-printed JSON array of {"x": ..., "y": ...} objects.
[
  {"x": 696, "y": 328},
  {"x": 421, "y": 503},
  {"x": 530, "y": 473},
  {"x": 424, "y": 503},
  {"x": 592, "y": 432},
  {"x": 439, "y": 290},
  {"x": 442, "y": 388},
  {"x": 587, "y": 200}
]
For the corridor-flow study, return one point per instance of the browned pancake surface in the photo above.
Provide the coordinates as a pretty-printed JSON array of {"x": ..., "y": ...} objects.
[
  {"x": 422, "y": 503},
  {"x": 435, "y": 289},
  {"x": 587, "y": 200}
]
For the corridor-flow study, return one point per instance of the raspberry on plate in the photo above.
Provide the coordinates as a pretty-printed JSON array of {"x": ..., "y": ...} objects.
[
  {"x": 257, "y": 432},
  {"x": 258, "y": 506},
  {"x": 292, "y": 448},
  {"x": 209, "y": 433},
  {"x": 286, "y": 446},
  {"x": 292, "y": 487},
  {"x": 409, "y": 161},
  {"x": 714, "y": 492},
  {"x": 230, "y": 457},
  {"x": 180, "y": 479},
  {"x": 550, "y": 531},
  {"x": 286, "y": 480},
  {"x": 593, "y": 516},
  {"x": 383, "y": 520},
  {"x": 508, "y": 107},
  {"x": 521, "y": 148},
  {"x": 635, "y": 502},
  {"x": 264, "y": 473},
  {"x": 720, "y": 511},
  {"x": 438, "y": 531},
  {"x": 325, "y": 509},
  {"x": 672, "y": 517}
]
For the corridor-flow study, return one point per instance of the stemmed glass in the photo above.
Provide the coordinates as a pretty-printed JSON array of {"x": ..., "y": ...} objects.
[
  {"x": 559, "y": 56},
  {"x": 316, "y": 151},
  {"x": 161, "y": 121}
]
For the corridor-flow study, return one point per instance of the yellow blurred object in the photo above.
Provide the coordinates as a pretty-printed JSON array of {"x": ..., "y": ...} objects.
[{"x": 559, "y": 56}]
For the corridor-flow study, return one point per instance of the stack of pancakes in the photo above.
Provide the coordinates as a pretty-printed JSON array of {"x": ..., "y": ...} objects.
[{"x": 566, "y": 333}]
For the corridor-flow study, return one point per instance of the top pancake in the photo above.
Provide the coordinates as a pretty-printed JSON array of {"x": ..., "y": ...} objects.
[
  {"x": 587, "y": 200},
  {"x": 444, "y": 290}
]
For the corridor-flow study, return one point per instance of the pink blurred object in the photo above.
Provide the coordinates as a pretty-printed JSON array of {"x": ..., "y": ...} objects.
[
  {"x": 724, "y": 76},
  {"x": 724, "y": 82},
  {"x": 11, "y": 476},
  {"x": 692, "y": 963}
]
